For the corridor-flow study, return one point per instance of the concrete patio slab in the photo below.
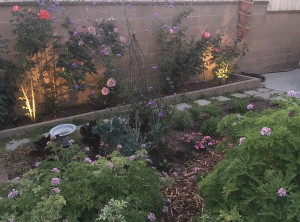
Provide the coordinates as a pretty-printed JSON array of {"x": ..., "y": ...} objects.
[
  {"x": 252, "y": 92},
  {"x": 283, "y": 81}
]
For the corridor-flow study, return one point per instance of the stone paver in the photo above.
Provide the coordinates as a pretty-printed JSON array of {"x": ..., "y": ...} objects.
[
  {"x": 221, "y": 98},
  {"x": 202, "y": 102},
  {"x": 263, "y": 90},
  {"x": 14, "y": 144},
  {"x": 182, "y": 106},
  {"x": 266, "y": 95},
  {"x": 239, "y": 95},
  {"x": 252, "y": 92}
]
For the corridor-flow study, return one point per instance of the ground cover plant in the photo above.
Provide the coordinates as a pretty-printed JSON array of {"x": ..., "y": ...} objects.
[
  {"x": 259, "y": 178},
  {"x": 58, "y": 190}
]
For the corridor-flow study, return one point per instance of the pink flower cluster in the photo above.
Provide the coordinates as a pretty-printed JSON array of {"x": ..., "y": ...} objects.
[
  {"x": 250, "y": 106},
  {"x": 265, "y": 131},
  {"x": 55, "y": 181},
  {"x": 88, "y": 160},
  {"x": 282, "y": 192},
  {"x": 291, "y": 93},
  {"x": 241, "y": 140},
  {"x": 198, "y": 141},
  {"x": 110, "y": 84}
]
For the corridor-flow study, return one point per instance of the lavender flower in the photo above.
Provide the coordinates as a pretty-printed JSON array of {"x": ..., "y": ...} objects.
[
  {"x": 97, "y": 156},
  {"x": 17, "y": 179},
  {"x": 151, "y": 217},
  {"x": 265, "y": 131},
  {"x": 155, "y": 15},
  {"x": 88, "y": 160},
  {"x": 175, "y": 174},
  {"x": 132, "y": 157},
  {"x": 165, "y": 209},
  {"x": 13, "y": 193},
  {"x": 175, "y": 28},
  {"x": 55, "y": 170},
  {"x": 74, "y": 64},
  {"x": 75, "y": 33},
  {"x": 154, "y": 67},
  {"x": 163, "y": 27},
  {"x": 37, "y": 164},
  {"x": 55, "y": 190},
  {"x": 111, "y": 166},
  {"x": 160, "y": 114},
  {"x": 55, "y": 181},
  {"x": 118, "y": 55},
  {"x": 147, "y": 30}
]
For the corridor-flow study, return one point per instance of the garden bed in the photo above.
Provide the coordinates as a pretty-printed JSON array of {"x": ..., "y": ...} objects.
[{"x": 238, "y": 83}]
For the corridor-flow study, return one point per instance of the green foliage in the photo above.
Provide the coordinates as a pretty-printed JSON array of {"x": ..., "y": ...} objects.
[
  {"x": 245, "y": 185},
  {"x": 209, "y": 126},
  {"x": 226, "y": 57},
  {"x": 213, "y": 111},
  {"x": 112, "y": 131},
  {"x": 103, "y": 190},
  {"x": 180, "y": 57},
  {"x": 113, "y": 211},
  {"x": 240, "y": 105},
  {"x": 195, "y": 111},
  {"x": 156, "y": 132},
  {"x": 182, "y": 120},
  {"x": 3, "y": 107}
]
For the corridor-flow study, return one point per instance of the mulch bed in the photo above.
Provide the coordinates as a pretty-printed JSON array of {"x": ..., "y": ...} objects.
[{"x": 186, "y": 201}]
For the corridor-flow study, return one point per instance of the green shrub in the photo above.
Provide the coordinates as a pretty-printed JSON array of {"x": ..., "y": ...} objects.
[
  {"x": 249, "y": 184},
  {"x": 195, "y": 111},
  {"x": 183, "y": 120},
  {"x": 86, "y": 190},
  {"x": 212, "y": 110},
  {"x": 209, "y": 127},
  {"x": 240, "y": 105}
]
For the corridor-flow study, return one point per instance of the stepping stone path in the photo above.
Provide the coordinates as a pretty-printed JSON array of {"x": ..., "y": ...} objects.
[
  {"x": 202, "y": 102},
  {"x": 14, "y": 144},
  {"x": 182, "y": 106},
  {"x": 239, "y": 95},
  {"x": 221, "y": 98}
]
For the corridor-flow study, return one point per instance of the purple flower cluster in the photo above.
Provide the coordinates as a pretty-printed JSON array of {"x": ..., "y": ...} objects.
[
  {"x": 55, "y": 181},
  {"x": 151, "y": 217},
  {"x": 55, "y": 190},
  {"x": 88, "y": 160},
  {"x": 265, "y": 131},
  {"x": 155, "y": 15},
  {"x": 55, "y": 170},
  {"x": 13, "y": 193}
]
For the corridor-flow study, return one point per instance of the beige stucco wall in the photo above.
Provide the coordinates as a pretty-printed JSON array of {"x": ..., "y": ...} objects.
[{"x": 274, "y": 38}]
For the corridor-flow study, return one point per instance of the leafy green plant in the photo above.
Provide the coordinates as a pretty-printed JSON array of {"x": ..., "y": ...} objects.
[
  {"x": 259, "y": 178},
  {"x": 182, "y": 120},
  {"x": 180, "y": 57},
  {"x": 112, "y": 131},
  {"x": 240, "y": 105},
  {"x": 113, "y": 211},
  {"x": 210, "y": 126},
  {"x": 58, "y": 190},
  {"x": 195, "y": 111},
  {"x": 227, "y": 56},
  {"x": 213, "y": 111}
]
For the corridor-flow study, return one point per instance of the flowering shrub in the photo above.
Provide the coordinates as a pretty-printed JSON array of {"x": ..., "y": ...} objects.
[
  {"x": 84, "y": 190},
  {"x": 259, "y": 178},
  {"x": 198, "y": 141}
]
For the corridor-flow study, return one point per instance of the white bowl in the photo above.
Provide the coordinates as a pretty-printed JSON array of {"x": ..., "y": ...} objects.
[{"x": 63, "y": 130}]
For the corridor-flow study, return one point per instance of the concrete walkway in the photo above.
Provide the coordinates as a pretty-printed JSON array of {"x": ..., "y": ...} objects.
[{"x": 284, "y": 81}]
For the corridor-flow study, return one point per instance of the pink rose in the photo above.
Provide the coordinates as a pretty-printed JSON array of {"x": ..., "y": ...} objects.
[
  {"x": 206, "y": 35},
  {"x": 105, "y": 91},
  {"x": 111, "y": 82}
]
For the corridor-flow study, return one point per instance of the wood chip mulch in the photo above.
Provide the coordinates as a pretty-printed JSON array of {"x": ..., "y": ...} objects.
[{"x": 186, "y": 201}]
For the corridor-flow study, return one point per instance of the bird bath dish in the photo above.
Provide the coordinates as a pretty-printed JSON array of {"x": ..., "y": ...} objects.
[{"x": 62, "y": 131}]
